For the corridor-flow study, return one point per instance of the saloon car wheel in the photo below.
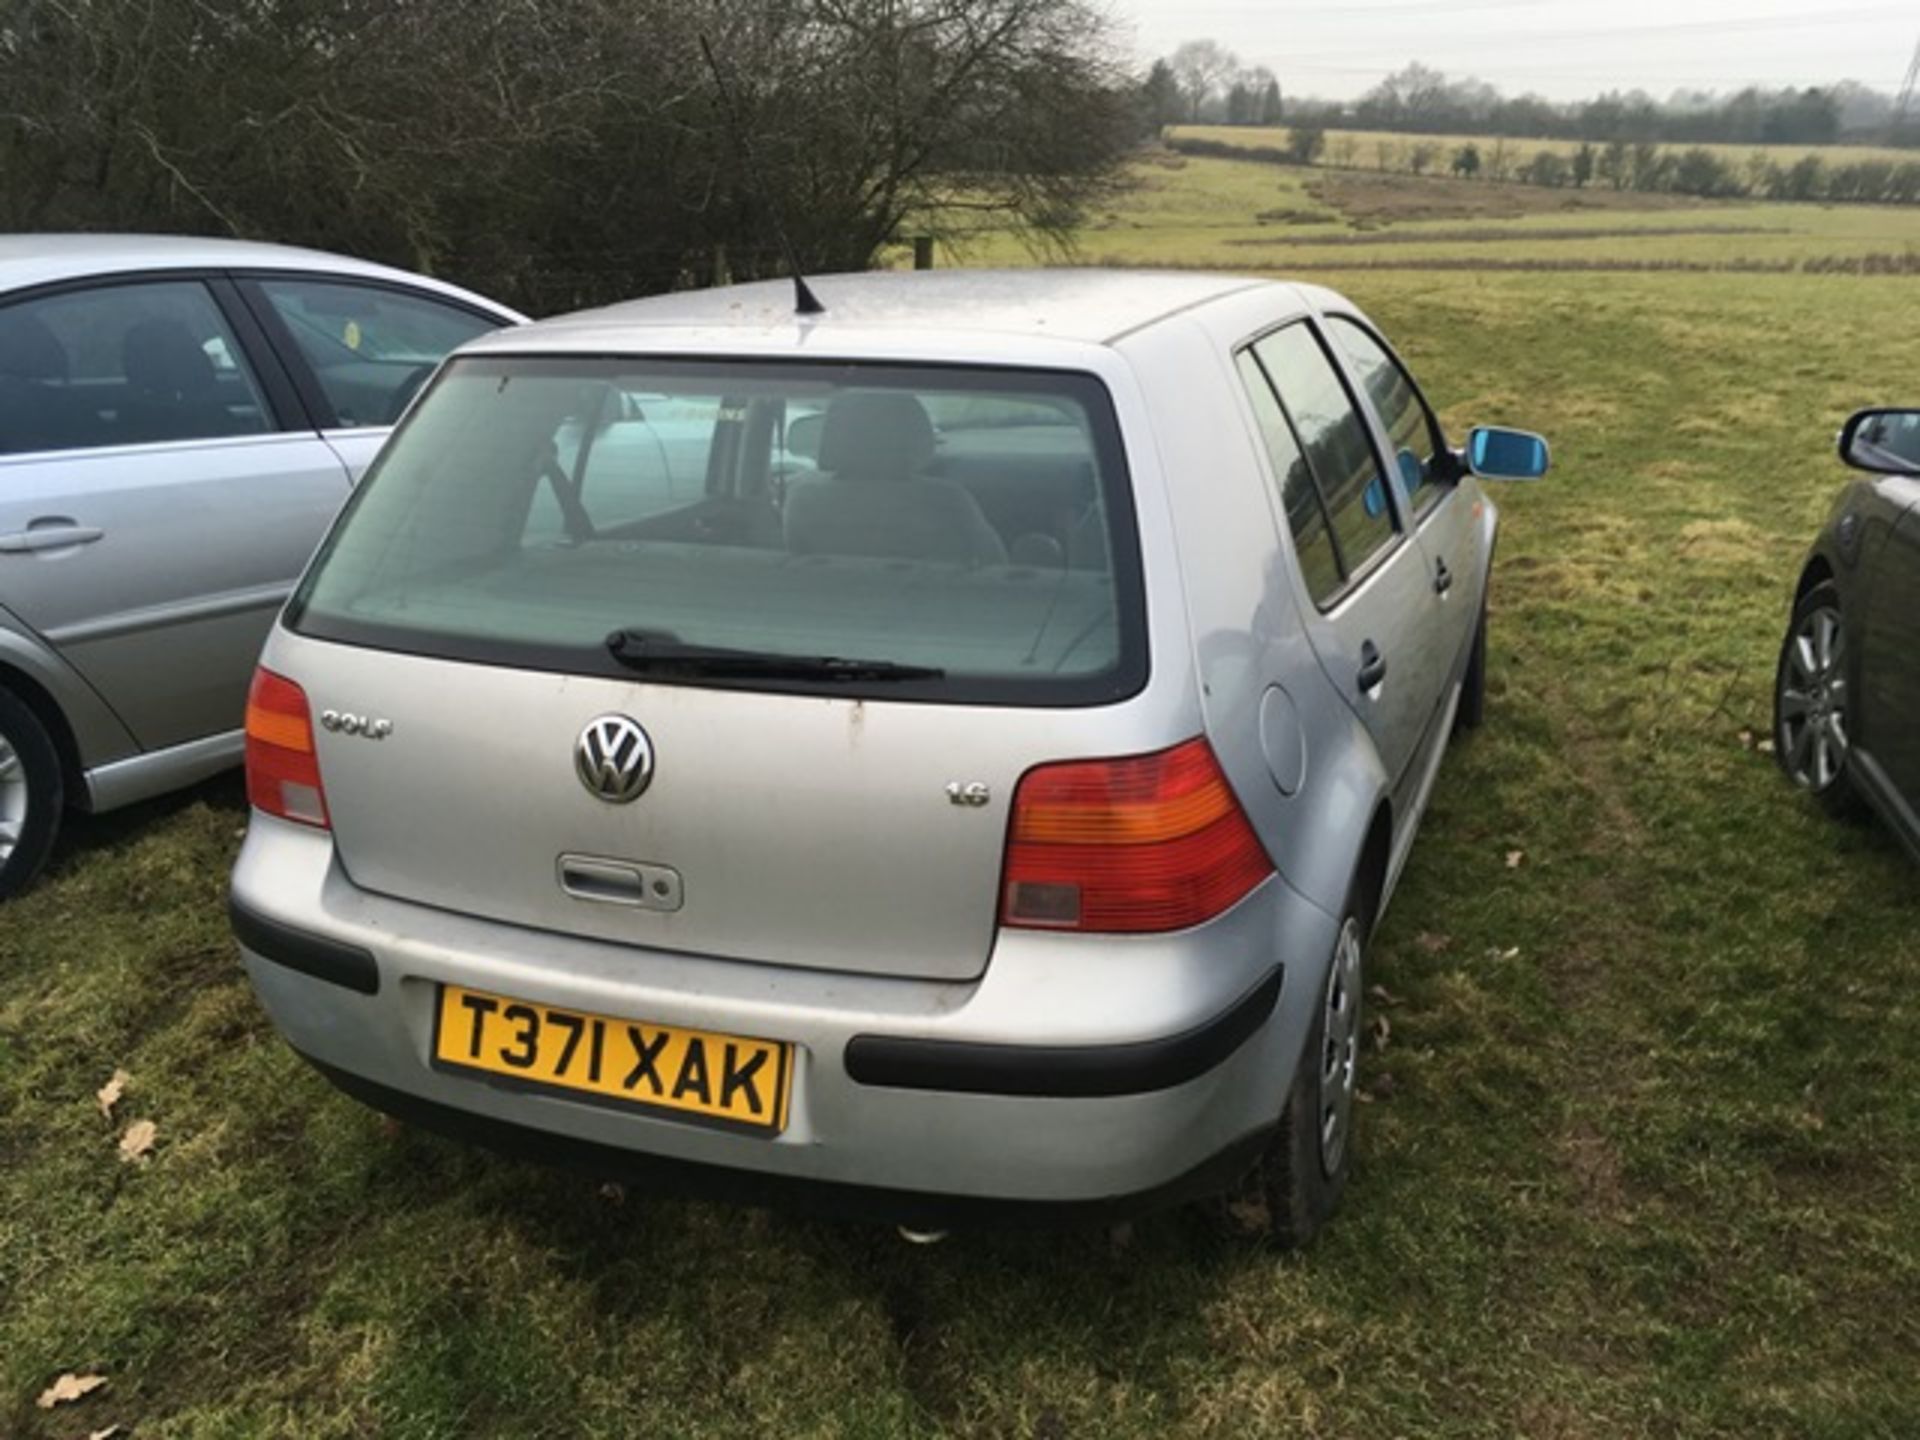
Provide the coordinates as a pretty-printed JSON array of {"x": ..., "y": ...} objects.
[
  {"x": 30, "y": 794},
  {"x": 1811, "y": 702},
  {"x": 1305, "y": 1167}
]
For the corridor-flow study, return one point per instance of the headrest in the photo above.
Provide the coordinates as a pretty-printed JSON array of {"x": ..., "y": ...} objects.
[
  {"x": 875, "y": 435},
  {"x": 28, "y": 349},
  {"x": 161, "y": 358}
]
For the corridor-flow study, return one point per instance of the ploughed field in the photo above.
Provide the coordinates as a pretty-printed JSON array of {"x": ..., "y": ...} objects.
[{"x": 1642, "y": 1152}]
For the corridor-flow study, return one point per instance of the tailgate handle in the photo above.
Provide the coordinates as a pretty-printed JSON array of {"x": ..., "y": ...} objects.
[{"x": 620, "y": 882}]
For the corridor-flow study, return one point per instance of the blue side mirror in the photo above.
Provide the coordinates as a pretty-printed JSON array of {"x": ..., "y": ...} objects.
[
  {"x": 1412, "y": 473},
  {"x": 1375, "y": 498},
  {"x": 1497, "y": 454}
]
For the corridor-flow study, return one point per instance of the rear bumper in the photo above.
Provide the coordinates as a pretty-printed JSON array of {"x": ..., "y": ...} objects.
[
  {"x": 1109, "y": 1075},
  {"x": 833, "y": 1199}
]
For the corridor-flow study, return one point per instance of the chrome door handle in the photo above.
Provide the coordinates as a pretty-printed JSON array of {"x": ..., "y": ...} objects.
[{"x": 49, "y": 537}]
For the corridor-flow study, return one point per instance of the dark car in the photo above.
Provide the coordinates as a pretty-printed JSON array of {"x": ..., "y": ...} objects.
[{"x": 1846, "y": 710}]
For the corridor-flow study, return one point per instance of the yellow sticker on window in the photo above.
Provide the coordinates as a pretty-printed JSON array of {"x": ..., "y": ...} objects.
[{"x": 352, "y": 335}]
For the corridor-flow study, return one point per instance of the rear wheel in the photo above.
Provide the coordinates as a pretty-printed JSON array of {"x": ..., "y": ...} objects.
[
  {"x": 30, "y": 794},
  {"x": 1812, "y": 703},
  {"x": 1304, "y": 1170}
]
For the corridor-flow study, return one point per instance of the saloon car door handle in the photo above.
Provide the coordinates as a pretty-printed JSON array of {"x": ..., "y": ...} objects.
[
  {"x": 1373, "y": 665},
  {"x": 57, "y": 535},
  {"x": 1442, "y": 577}
]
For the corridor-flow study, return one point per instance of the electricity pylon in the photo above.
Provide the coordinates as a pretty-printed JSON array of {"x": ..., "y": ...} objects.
[{"x": 1904, "y": 104}]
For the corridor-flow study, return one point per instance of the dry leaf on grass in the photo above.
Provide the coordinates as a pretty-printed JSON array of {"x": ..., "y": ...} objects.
[
  {"x": 1382, "y": 1032},
  {"x": 112, "y": 1432},
  {"x": 1380, "y": 995},
  {"x": 68, "y": 1388},
  {"x": 108, "y": 1095},
  {"x": 1514, "y": 859},
  {"x": 136, "y": 1146},
  {"x": 1746, "y": 739},
  {"x": 1431, "y": 943}
]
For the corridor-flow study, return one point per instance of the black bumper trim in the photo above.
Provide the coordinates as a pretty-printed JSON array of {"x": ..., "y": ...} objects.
[
  {"x": 1061, "y": 1071},
  {"x": 830, "y": 1199},
  {"x": 347, "y": 966}
]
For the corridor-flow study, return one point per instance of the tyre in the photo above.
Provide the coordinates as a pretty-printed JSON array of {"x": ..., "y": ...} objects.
[
  {"x": 1812, "y": 703},
  {"x": 1473, "y": 689},
  {"x": 31, "y": 794},
  {"x": 1304, "y": 1170}
]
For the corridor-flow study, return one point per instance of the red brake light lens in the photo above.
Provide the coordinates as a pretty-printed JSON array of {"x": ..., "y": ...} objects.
[
  {"x": 1143, "y": 844},
  {"x": 283, "y": 772}
]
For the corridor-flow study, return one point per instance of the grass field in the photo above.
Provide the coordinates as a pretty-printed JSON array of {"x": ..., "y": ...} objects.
[
  {"x": 1223, "y": 214},
  {"x": 1363, "y": 147},
  {"x": 1643, "y": 1152}
]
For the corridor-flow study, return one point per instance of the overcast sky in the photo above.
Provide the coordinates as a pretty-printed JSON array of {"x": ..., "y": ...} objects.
[{"x": 1564, "y": 49}]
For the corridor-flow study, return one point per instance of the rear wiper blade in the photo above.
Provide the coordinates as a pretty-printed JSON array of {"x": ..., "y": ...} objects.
[{"x": 654, "y": 650}]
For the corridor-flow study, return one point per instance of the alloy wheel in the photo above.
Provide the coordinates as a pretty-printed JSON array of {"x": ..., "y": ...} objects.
[
  {"x": 1813, "y": 700},
  {"x": 13, "y": 798},
  {"x": 1340, "y": 1047}
]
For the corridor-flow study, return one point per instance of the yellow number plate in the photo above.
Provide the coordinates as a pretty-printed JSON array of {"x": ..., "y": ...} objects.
[{"x": 713, "y": 1079}]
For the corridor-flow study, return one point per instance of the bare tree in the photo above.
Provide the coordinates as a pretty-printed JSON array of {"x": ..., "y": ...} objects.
[
  {"x": 1203, "y": 68},
  {"x": 562, "y": 152}
]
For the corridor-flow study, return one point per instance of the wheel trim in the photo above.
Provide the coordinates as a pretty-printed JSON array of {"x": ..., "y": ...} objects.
[
  {"x": 13, "y": 799},
  {"x": 1812, "y": 700},
  {"x": 1340, "y": 1047}
]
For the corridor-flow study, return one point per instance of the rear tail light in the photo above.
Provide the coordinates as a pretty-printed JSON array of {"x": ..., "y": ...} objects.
[
  {"x": 283, "y": 772},
  {"x": 1148, "y": 843}
]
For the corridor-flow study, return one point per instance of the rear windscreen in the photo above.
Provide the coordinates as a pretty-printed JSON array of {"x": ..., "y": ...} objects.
[{"x": 952, "y": 533}]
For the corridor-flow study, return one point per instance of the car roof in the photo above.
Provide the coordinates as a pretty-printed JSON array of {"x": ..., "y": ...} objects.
[
  {"x": 1086, "y": 305},
  {"x": 40, "y": 259}
]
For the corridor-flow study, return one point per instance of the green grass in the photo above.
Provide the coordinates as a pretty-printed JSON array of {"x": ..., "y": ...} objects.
[
  {"x": 1215, "y": 213},
  {"x": 1648, "y": 1162}
]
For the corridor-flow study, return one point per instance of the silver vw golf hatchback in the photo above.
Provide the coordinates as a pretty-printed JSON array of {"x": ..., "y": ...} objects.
[{"x": 944, "y": 754}]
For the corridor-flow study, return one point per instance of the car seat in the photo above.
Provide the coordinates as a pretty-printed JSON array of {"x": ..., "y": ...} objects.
[{"x": 872, "y": 498}]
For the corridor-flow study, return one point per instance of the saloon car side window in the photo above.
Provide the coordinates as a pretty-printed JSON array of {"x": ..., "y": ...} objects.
[
  {"x": 1339, "y": 451},
  {"x": 124, "y": 364},
  {"x": 370, "y": 347},
  {"x": 1411, "y": 429}
]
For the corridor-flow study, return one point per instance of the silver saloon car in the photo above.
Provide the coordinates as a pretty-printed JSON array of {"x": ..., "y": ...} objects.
[
  {"x": 940, "y": 756},
  {"x": 179, "y": 421}
]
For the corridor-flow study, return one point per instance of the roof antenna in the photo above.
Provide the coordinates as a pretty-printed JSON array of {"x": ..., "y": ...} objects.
[{"x": 805, "y": 302}]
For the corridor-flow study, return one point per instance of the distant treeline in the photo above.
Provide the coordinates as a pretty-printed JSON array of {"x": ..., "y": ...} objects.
[
  {"x": 1617, "y": 165},
  {"x": 1202, "y": 82}
]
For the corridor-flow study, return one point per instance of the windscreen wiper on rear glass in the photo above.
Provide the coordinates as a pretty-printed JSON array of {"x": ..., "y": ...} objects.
[{"x": 660, "y": 652}]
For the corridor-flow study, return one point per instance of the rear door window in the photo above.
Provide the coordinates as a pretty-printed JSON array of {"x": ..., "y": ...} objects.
[
  {"x": 128, "y": 364},
  {"x": 1340, "y": 454},
  {"x": 1299, "y": 496},
  {"x": 971, "y": 525},
  {"x": 370, "y": 347}
]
